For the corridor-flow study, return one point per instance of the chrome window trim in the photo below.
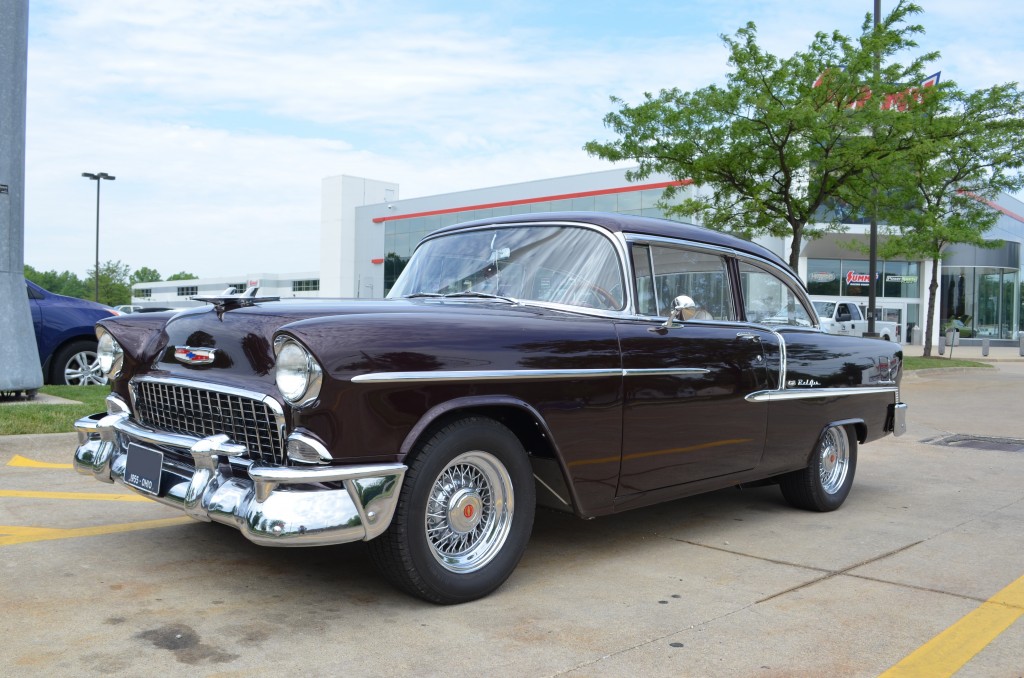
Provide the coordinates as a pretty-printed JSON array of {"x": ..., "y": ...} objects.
[{"x": 811, "y": 393}]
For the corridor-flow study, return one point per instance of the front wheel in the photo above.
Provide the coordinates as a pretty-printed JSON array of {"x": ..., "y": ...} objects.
[
  {"x": 825, "y": 483},
  {"x": 464, "y": 516}
]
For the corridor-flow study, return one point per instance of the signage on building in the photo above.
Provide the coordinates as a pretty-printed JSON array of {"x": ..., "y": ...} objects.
[
  {"x": 822, "y": 277},
  {"x": 905, "y": 279},
  {"x": 253, "y": 283},
  {"x": 854, "y": 278}
]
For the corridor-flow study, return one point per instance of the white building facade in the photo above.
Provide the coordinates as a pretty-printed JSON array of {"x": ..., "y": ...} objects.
[{"x": 367, "y": 234}]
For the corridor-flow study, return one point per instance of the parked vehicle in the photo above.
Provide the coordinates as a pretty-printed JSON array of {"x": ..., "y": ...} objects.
[
  {"x": 66, "y": 336},
  {"x": 847, "y": 318},
  {"x": 588, "y": 362}
]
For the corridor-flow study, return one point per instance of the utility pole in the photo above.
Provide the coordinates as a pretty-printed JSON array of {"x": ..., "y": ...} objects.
[
  {"x": 873, "y": 239},
  {"x": 19, "y": 357}
]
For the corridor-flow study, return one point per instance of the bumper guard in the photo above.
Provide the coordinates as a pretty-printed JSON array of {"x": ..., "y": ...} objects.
[{"x": 271, "y": 506}]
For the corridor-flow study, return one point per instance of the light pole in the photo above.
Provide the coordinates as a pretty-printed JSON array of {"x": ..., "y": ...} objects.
[{"x": 98, "y": 177}]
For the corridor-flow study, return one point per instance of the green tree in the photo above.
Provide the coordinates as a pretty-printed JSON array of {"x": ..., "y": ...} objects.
[
  {"x": 144, "y": 275},
  {"x": 66, "y": 282},
  {"x": 968, "y": 150},
  {"x": 183, "y": 275},
  {"x": 774, "y": 145},
  {"x": 114, "y": 287}
]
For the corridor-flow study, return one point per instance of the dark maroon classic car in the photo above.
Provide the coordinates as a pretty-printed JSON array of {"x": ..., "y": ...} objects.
[{"x": 586, "y": 362}]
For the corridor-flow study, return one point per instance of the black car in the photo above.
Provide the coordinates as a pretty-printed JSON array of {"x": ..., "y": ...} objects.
[{"x": 592, "y": 363}]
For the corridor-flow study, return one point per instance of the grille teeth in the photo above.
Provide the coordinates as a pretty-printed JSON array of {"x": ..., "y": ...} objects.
[{"x": 206, "y": 412}]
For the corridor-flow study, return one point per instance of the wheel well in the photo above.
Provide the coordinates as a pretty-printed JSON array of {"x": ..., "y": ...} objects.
[
  {"x": 48, "y": 364},
  {"x": 523, "y": 424}
]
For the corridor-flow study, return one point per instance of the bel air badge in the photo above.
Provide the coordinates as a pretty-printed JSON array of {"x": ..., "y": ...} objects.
[{"x": 194, "y": 356}]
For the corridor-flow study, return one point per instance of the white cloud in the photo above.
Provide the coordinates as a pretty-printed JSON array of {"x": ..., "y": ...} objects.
[{"x": 220, "y": 119}]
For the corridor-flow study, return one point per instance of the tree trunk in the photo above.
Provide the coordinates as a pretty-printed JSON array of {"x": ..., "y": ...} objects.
[
  {"x": 794, "y": 249},
  {"x": 933, "y": 287}
]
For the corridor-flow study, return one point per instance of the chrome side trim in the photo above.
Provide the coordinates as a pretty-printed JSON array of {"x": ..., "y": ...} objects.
[
  {"x": 666, "y": 371},
  {"x": 516, "y": 375},
  {"x": 483, "y": 375},
  {"x": 811, "y": 393}
]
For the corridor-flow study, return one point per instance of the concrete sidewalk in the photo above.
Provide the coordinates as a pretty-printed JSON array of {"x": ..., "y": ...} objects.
[{"x": 995, "y": 353}]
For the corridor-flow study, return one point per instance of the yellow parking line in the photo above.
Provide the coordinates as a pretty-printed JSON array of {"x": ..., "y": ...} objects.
[
  {"x": 10, "y": 534},
  {"x": 88, "y": 496},
  {"x": 947, "y": 652},
  {"x": 25, "y": 462}
]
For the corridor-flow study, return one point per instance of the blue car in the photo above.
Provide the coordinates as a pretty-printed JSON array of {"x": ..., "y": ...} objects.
[{"x": 66, "y": 336}]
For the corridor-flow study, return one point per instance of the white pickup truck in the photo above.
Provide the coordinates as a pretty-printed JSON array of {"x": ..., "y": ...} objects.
[{"x": 843, "y": 317}]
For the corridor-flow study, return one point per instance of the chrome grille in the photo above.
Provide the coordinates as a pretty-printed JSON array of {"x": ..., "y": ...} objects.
[{"x": 192, "y": 410}]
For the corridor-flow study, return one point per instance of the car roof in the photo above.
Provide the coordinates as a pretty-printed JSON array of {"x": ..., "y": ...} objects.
[{"x": 628, "y": 223}]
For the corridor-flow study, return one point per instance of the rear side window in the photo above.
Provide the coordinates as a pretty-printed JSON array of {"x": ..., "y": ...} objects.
[
  {"x": 664, "y": 273},
  {"x": 769, "y": 300}
]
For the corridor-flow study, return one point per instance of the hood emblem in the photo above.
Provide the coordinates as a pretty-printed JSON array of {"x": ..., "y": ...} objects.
[{"x": 194, "y": 356}]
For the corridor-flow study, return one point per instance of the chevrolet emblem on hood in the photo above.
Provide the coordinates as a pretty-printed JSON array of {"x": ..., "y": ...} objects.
[{"x": 194, "y": 356}]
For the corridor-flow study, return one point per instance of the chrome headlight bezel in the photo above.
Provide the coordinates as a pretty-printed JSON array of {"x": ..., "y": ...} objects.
[
  {"x": 296, "y": 372},
  {"x": 109, "y": 354}
]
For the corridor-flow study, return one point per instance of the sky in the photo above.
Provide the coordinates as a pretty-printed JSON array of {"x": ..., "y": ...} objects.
[{"x": 220, "y": 119}]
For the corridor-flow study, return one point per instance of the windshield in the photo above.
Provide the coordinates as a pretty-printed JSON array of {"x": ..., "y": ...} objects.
[
  {"x": 824, "y": 308},
  {"x": 555, "y": 264}
]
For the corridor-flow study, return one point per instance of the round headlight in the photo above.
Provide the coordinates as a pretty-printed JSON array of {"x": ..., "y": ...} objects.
[
  {"x": 109, "y": 353},
  {"x": 298, "y": 375}
]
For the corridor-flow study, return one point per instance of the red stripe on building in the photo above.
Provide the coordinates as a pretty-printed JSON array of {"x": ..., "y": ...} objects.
[{"x": 526, "y": 201}]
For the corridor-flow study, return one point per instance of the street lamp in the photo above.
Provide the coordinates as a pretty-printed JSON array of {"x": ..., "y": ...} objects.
[{"x": 98, "y": 177}]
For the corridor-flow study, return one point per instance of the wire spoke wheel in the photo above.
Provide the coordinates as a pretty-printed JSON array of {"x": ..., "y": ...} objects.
[
  {"x": 825, "y": 483},
  {"x": 835, "y": 460},
  {"x": 469, "y": 512}
]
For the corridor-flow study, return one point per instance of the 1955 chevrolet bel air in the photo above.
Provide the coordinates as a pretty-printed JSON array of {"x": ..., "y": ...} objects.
[{"x": 586, "y": 362}]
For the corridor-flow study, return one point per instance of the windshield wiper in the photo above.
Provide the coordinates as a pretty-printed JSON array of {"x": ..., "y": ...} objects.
[
  {"x": 418, "y": 295},
  {"x": 481, "y": 295}
]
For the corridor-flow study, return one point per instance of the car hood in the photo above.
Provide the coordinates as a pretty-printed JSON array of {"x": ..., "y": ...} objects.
[{"x": 346, "y": 336}]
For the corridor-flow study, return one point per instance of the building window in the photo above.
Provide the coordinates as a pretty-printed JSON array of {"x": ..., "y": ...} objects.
[
  {"x": 306, "y": 285},
  {"x": 144, "y": 294},
  {"x": 238, "y": 287},
  {"x": 190, "y": 291}
]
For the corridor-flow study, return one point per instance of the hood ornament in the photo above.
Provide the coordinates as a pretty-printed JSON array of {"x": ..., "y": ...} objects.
[{"x": 231, "y": 298}]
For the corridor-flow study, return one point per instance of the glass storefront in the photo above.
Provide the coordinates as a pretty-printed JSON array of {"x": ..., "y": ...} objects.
[
  {"x": 980, "y": 301},
  {"x": 897, "y": 288}
]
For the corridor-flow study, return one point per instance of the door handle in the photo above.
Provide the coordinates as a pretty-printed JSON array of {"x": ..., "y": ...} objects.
[{"x": 747, "y": 336}]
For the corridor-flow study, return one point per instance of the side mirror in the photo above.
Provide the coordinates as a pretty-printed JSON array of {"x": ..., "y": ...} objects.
[{"x": 683, "y": 308}]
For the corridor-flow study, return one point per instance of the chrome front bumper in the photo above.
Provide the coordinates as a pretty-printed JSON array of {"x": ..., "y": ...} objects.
[{"x": 270, "y": 505}]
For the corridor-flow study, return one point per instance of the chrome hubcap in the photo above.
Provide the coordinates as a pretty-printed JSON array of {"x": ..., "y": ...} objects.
[
  {"x": 835, "y": 459},
  {"x": 469, "y": 512}
]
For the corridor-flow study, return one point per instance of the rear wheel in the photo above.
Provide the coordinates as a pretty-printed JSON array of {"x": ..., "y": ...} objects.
[
  {"x": 826, "y": 482},
  {"x": 77, "y": 365},
  {"x": 464, "y": 516}
]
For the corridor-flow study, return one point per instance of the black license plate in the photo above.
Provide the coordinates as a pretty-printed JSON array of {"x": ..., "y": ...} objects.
[{"x": 142, "y": 469}]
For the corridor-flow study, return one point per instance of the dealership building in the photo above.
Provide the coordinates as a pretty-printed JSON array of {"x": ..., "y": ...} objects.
[{"x": 367, "y": 233}]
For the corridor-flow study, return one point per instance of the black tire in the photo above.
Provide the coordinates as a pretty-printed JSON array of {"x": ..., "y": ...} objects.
[
  {"x": 826, "y": 482},
  {"x": 464, "y": 516},
  {"x": 76, "y": 365}
]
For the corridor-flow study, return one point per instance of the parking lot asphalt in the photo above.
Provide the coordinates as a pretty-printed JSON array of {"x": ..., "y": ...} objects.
[{"x": 920, "y": 573}]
